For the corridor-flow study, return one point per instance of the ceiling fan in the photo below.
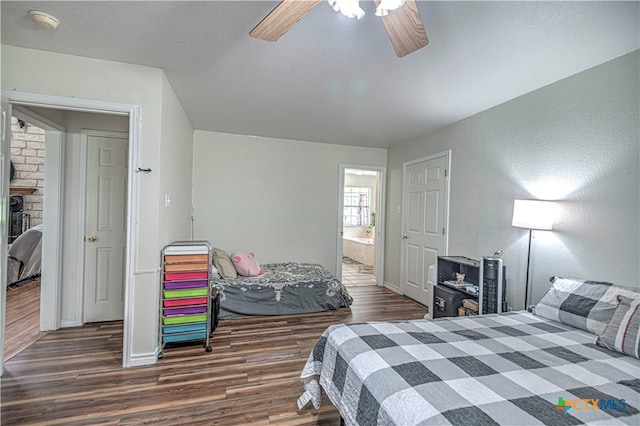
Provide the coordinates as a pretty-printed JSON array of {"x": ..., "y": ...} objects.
[{"x": 403, "y": 24}]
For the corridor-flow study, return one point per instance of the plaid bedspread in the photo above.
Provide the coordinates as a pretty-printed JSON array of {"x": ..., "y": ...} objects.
[{"x": 508, "y": 369}]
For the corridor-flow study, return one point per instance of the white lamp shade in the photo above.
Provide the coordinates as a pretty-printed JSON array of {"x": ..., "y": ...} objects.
[{"x": 533, "y": 214}]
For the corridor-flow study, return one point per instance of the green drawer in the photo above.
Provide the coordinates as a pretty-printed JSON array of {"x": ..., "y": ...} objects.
[
  {"x": 184, "y": 319},
  {"x": 187, "y": 292}
]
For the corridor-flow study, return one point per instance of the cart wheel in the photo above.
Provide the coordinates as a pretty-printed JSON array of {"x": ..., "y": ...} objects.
[
  {"x": 208, "y": 349},
  {"x": 160, "y": 355}
]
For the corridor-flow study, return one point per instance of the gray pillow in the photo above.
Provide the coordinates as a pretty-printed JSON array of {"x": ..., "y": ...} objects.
[
  {"x": 622, "y": 332},
  {"x": 223, "y": 263},
  {"x": 587, "y": 305}
]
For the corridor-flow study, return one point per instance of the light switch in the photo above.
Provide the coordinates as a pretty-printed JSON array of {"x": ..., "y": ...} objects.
[{"x": 167, "y": 200}]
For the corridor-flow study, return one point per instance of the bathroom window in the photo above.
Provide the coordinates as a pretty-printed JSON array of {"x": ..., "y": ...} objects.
[{"x": 356, "y": 206}]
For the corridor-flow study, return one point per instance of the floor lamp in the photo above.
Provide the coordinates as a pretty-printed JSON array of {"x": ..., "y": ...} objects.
[{"x": 532, "y": 215}]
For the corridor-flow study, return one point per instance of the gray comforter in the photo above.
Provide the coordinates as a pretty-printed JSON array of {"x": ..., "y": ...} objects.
[
  {"x": 284, "y": 288},
  {"x": 509, "y": 369}
]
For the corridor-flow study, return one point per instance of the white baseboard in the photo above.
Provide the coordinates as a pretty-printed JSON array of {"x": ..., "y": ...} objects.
[
  {"x": 69, "y": 323},
  {"x": 138, "y": 360},
  {"x": 392, "y": 287}
]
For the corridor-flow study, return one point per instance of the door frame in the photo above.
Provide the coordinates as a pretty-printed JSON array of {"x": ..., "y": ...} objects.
[
  {"x": 82, "y": 201},
  {"x": 10, "y": 98},
  {"x": 403, "y": 249},
  {"x": 380, "y": 218}
]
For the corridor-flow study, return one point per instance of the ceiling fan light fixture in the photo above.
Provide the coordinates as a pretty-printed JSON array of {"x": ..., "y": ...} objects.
[
  {"x": 349, "y": 8},
  {"x": 44, "y": 20},
  {"x": 386, "y": 5}
]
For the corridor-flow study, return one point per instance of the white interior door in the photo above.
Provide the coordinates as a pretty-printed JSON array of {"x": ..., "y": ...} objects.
[
  {"x": 105, "y": 227},
  {"x": 425, "y": 214}
]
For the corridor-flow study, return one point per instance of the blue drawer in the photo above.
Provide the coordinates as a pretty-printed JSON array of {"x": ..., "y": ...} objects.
[
  {"x": 184, "y": 337},
  {"x": 184, "y": 328}
]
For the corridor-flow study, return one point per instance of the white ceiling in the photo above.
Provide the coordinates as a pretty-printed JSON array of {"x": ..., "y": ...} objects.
[{"x": 331, "y": 79}]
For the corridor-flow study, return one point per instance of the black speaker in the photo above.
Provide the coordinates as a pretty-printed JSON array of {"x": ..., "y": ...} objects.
[{"x": 492, "y": 297}]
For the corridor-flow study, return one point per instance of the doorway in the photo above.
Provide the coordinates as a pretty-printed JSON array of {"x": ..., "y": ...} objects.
[
  {"x": 24, "y": 256},
  {"x": 64, "y": 306},
  {"x": 71, "y": 209},
  {"x": 360, "y": 223}
]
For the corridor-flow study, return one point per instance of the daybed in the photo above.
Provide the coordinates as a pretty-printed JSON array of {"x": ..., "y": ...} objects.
[
  {"x": 284, "y": 288},
  {"x": 516, "y": 368}
]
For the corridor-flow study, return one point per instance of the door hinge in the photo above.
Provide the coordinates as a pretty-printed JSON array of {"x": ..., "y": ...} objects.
[
  {"x": 444, "y": 230},
  {"x": 446, "y": 173}
]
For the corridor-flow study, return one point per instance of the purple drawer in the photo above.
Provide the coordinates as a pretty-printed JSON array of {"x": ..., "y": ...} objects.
[
  {"x": 185, "y": 311},
  {"x": 185, "y": 284}
]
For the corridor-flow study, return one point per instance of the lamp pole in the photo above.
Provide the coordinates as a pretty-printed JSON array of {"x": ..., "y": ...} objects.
[{"x": 526, "y": 284}]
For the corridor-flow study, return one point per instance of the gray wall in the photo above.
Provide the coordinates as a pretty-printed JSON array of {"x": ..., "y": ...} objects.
[
  {"x": 277, "y": 198},
  {"x": 575, "y": 141}
]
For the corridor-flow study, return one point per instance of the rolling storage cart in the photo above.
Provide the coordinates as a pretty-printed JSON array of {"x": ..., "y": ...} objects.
[{"x": 185, "y": 299}]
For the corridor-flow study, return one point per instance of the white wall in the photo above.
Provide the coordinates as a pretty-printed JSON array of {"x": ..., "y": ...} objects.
[
  {"x": 275, "y": 197},
  {"x": 175, "y": 167},
  {"x": 575, "y": 141},
  {"x": 33, "y": 71}
]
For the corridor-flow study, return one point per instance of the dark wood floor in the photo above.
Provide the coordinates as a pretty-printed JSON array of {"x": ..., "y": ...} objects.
[
  {"x": 22, "y": 327},
  {"x": 73, "y": 376}
]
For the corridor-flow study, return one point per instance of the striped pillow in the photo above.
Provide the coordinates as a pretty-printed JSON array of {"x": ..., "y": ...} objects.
[{"x": 622, "y": 334}]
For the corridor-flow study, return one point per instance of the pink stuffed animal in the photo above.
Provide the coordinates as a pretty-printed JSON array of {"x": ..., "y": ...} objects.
[{"x": 245, "y": 265}]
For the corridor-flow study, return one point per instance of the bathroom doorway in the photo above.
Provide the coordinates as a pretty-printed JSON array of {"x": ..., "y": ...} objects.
[
  {"x": 25, "y": 218},
  {"x": 360, "y": 220}
]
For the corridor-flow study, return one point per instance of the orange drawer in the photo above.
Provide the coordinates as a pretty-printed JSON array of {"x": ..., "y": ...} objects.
[
  {"x": 181, "y": 267},
  {"x": 186, "y": 258}
]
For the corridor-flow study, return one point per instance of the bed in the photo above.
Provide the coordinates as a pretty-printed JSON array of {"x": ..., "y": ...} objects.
[
  {"x": 284, "y": 288},
  {"x": 515, "y": 368}
]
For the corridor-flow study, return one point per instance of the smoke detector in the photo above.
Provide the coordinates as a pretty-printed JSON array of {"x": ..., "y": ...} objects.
[{"x": 44, "y": 19}]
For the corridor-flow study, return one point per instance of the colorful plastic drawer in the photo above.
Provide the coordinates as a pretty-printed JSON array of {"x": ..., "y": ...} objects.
[
  {"x": 188, "y": 292},
  {"x": 184, "y": 337},
  {"x": 186, "y": 276},
  {"x": 181, "y": 267},
  {"x": 184, "y": 319},
  {"x": 186, "y": 250},
  {"x": 174, "y": 285},
  {"x": 184, "y": 302},
  {"x": 190, "y": 328},
  {"x": 185, "y": 311},
  {"x": 187, "y": 258}
]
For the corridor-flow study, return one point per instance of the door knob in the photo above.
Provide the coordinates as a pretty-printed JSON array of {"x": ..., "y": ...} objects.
[
  {"x": 91, "y": 238},
  {"x": 405, "y": 236}
]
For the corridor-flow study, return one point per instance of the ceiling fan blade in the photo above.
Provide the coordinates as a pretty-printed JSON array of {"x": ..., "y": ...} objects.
[
  {"x": 405, "y": 29},
  {"x": 282, "y": 19}
]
